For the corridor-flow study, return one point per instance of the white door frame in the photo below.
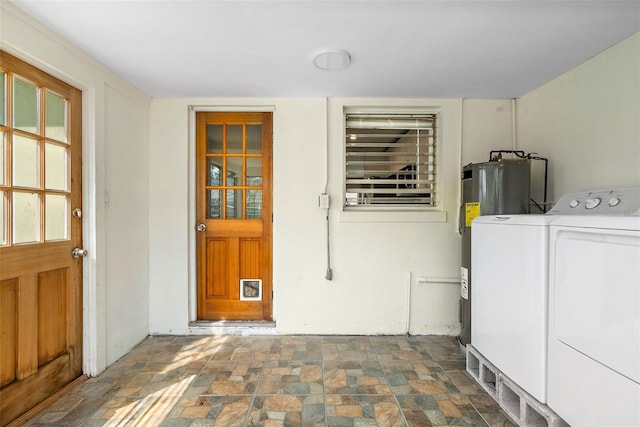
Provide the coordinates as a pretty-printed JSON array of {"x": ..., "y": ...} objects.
[{"x": 191, "y": 224}]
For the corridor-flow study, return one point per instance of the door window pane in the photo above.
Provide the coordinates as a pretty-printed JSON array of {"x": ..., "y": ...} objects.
[
  {"x": 254, "y": 203},
  {"x": 234, "y": 138},
  {"x": 3, "y": 159},
  {"x": 234, "y": 171},
  {"x": 25, "y": 162},
  {"x": 3, "y": 220},
  {"x": 214, "y": 201},
  {"x": 55, "y": 208},
  {"x": 254, "y": 139},
  {"x": 234, "y": 203},
  {"x": 55, "y": 167},
  {"x": 26, "y": 217},
  {"x": 254, "y": 171},
  {"x": 3, "y": 98},
  {"x": 214, "y": 170},
  {"x": 55, "y": 117},
  {"x": 214, "y": 138},
  {"x": 25, "y": 106}
]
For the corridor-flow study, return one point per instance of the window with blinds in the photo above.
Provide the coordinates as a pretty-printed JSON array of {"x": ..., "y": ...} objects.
[{"x": 390, "y": 160}]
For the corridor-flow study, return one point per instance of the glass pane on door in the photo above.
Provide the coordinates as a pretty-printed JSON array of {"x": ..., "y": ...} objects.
[
  {"x": 254, "y": 171},
  {"x": 214, "y": 202},
  {"x": 55, "y": 117},
  {"x": 25, "y": 162},
  {"x": 3, "y": 219},
  {"x": 254, "y": 203},
  {"x": 254, "y": 139},
  {"x": 3, "y": 98},
  {"x": 214, "y": 139},
  {"x": 214, "y": 171},
  {"x": 234, "y": 171},
  {"x": 234, "y": 138},
  {"x": 55, "y": 177},
  {"x": 56, "y": 208},
  {"x": 25, "y": 106},
  {"x": 26, "y": 217},
  {"x": 3, "y": 159},
  {"x": 234, "y": 204}
]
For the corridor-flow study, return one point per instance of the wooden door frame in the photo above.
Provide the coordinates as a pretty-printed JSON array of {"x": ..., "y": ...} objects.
[{"x": 192, "y": 245}]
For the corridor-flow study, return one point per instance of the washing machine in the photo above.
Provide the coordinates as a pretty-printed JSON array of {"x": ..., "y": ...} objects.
[
  {"x": 509, "y": 264},
  {"x": 594, "y": 311},
  {"x": 510, "y": 298}
]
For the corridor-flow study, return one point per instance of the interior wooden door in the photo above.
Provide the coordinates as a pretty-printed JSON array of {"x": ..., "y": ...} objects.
[
  {"x": 40, "y": 281},
  {"x": 233, "y": 175}
]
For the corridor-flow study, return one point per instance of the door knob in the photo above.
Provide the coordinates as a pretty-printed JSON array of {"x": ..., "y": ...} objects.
[
  {"x": 79, "y": 252},
  {"x": 201, "y": 227}
]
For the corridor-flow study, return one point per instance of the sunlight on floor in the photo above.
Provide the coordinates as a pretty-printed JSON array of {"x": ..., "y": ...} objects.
[
  {"x": 152, "y": 409},
  {"x": 316, "y": 381}
]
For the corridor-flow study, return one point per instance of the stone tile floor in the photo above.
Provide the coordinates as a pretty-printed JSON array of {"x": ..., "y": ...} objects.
[{"x": 270, "y": 381}]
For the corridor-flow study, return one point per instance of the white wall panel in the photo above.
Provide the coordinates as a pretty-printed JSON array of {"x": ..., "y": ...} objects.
[
  {"x": 375, "y": 258},
  {"x": 487, "y": 126},
  {"x": 127, "y": 223},
  {"x": 587, "y": 121}
]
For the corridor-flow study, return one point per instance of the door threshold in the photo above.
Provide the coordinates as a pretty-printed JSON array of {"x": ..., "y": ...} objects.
[{"x": 233, "y": 327}]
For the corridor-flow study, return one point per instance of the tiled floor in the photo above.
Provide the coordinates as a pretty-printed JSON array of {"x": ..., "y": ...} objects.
[{"x": 282, "y": 381}]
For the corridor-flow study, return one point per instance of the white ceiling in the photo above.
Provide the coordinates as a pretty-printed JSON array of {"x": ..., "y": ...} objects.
[{"x": 265, "y": 48}]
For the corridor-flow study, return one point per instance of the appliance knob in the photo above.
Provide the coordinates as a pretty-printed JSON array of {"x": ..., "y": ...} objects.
[
  {"x": 573, "y": 203},
  {"x": 592, "y": 203},
  {"x": 614, "y": 201}
]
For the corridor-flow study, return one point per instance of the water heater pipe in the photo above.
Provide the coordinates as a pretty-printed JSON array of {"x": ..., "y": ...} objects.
[
  {"x": 408, "y": 318},
  {"x": 514, "y": 136},
  {"x": 460, "y": 164},
  {"x": 329, "y": 273},
  {"x": 326, "y": 145}
]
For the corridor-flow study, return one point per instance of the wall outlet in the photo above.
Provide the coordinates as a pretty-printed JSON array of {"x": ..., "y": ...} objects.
[{"x": 323, "y": 201}]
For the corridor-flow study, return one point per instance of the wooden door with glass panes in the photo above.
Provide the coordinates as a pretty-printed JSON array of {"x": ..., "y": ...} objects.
[
  {"x": 233, "y": 219},
  {"x": 40, "y": 280}
]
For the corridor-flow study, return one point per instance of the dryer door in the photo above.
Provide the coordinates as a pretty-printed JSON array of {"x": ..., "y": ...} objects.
[
  {"x": 594, "y": 325},
  {"x": 597, "y": 296}
]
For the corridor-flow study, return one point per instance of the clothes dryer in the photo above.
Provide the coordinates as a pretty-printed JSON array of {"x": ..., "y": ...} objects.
[
  {"x": 594, "y": 311},
  {"x": 510, "y": 298}
]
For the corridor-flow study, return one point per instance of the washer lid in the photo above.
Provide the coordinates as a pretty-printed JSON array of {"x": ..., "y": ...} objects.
[{"x": 520, "y": 219}]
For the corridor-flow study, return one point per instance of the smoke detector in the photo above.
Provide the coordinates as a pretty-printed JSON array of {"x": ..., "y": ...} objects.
[{"x": 332, "y": 60}]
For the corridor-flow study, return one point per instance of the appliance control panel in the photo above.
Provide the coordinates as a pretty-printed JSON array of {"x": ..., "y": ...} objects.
[{"x": 618, "y": 201}]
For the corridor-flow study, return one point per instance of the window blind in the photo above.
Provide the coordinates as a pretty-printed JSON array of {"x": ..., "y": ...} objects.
[{"x": 390, "y": 159}]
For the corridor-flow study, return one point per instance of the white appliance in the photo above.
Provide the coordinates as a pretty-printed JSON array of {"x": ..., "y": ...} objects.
[
  {"x": 510, "y": 298},
  {"x": 509, "y": 263},
  {"x": 594, "y": 311}
]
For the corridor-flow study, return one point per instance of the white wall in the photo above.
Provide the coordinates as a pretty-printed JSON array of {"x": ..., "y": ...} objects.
[
  {"x": 127, "y": 222},
  {"x": 376, "y": 258},
  {"x": 115, "y": 187},
  {"x": 587, "y": 121},
  {"x": 487, "y": 126}
]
